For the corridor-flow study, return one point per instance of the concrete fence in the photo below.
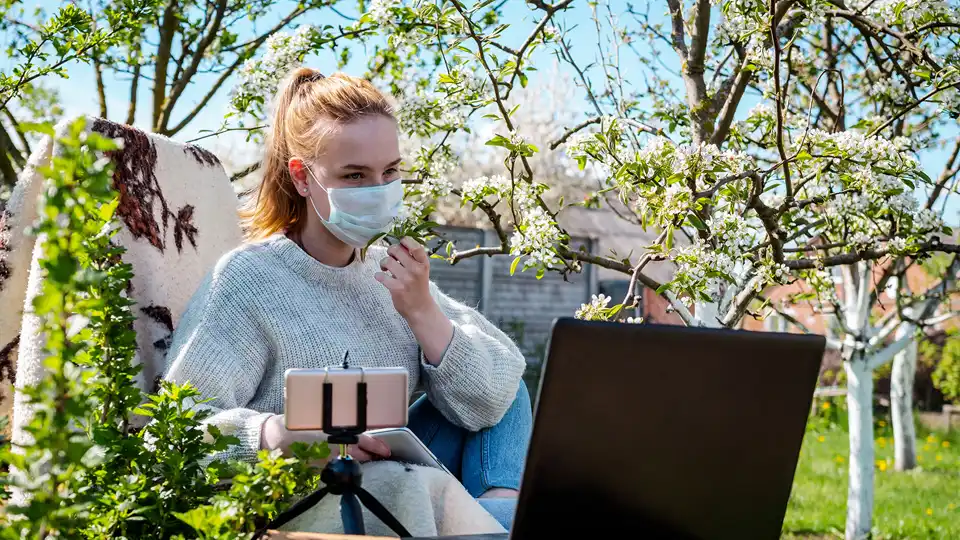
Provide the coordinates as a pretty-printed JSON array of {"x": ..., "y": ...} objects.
[{"x": 520, "y": 305}]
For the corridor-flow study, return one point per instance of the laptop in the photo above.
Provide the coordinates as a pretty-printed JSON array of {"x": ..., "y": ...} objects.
[{"x": 667, "y": 432}]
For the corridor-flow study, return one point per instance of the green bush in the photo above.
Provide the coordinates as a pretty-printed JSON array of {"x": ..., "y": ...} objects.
[
  {"x": 946, "y": 375},
  {"x": 87, "y": 473}
]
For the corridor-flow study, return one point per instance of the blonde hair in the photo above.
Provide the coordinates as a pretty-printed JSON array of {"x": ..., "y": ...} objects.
[{"x": 304, "y": 97}]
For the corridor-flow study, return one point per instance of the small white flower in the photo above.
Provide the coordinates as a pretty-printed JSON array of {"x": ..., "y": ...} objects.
[{"x": 594, "y": 310}]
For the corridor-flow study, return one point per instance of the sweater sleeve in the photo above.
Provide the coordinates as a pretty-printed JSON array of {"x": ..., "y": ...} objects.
[
  {"x": 218, "y": 348},
  {"x": 478, "y": 376}
]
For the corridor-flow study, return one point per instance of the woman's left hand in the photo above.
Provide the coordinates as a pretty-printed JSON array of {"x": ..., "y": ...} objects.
[{"x": 408, "y": 279}]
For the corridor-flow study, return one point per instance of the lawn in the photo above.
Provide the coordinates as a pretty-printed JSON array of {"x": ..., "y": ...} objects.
[{"x": 924, "y": 503}]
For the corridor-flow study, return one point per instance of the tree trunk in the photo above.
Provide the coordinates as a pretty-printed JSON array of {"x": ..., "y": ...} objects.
[
  {"x": 860, "y": 486},
  {"x": 901, "y": 403},
  {"x": 708, "y": 313}
]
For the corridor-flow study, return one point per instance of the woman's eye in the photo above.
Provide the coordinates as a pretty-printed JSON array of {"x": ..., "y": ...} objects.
[
  {"x": 391, "y": 173},
  {"x": 354, "y": 176}
]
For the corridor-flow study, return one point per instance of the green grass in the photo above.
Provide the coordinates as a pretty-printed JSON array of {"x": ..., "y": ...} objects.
[{"x": 924, "y": 503}]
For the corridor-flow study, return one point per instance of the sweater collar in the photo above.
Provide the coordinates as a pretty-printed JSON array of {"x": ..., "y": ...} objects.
[{"x": 304, "y": 264}]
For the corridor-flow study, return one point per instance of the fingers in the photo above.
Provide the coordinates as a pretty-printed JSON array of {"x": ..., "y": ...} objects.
[
  {"x": 390, "y": 282},
  {"x": 404, "y": 257},
  {"x": 374, "y": 446},
  {"x": 415, "y": 250}
]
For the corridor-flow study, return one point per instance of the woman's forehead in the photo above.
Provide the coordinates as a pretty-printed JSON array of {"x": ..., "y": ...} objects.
[{"x": 368, "y": 142}]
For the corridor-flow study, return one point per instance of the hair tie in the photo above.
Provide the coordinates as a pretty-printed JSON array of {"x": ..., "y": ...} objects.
[{"x": 313, "y": 77}]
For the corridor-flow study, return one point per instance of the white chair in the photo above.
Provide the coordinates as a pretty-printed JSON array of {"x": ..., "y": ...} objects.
[{"x": 178, "y": 215}]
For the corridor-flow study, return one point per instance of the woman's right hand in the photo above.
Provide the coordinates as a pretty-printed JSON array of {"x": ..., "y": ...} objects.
[{"x": 274, "y": 434}]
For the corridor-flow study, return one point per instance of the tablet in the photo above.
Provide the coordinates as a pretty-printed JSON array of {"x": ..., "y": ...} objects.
[{"x": 407, "y": 447}]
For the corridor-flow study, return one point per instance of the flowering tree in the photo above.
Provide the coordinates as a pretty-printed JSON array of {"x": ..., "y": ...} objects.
[
  {"x": 43, "y": 49},
  {"x": 871, "y": 331},
  {"x": 781, "y": 139}
]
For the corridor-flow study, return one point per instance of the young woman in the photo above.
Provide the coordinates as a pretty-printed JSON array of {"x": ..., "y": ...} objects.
[{"x": 298, "y": 294}]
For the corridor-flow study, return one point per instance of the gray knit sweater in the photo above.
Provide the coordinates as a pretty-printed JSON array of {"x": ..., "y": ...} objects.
[{"x": 269, "y": 306}]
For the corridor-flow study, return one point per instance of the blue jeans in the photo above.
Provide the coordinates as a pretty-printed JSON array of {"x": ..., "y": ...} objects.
[{"x": 483, "y": 460}]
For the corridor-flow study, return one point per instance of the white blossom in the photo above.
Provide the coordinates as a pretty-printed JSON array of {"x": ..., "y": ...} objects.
[
  {"x": 595, "y": 309},
  {"x": 381, "y": 12},
  {"x": 260, "y": 77}
]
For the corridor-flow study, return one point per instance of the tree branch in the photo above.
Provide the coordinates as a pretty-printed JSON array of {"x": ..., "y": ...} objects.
[
  {"x": 246, "y": 171},
  {"x": 903, "y": 111},
  {"x": 134, "y": 85},
  {"x": 731, "y": 101},
  {"x": 864, "y": 255},
  {"x": 168, "y": 30},
  {"x": 949, "y": 171},
  {"x": 180, "y": 84},
  {"x": 676, "y": 17},
  {"x": 573, "y": 131},
  {"x": 20, "y": 135}
]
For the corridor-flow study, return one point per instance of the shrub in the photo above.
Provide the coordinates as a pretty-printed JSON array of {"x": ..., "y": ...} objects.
[
  {"x": 87, "y": 473},
  {"x": 946, "y": 375}
]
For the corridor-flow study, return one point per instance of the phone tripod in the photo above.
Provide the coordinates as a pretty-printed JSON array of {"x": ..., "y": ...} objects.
[{"x": 342, "y": 475}]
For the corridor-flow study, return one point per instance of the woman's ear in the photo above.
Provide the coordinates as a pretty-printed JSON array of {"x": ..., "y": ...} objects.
[{"x": 299, "y": 175}]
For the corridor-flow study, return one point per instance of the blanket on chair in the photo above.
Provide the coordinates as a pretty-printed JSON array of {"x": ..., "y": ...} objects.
[{"x": 178, "y": 215}]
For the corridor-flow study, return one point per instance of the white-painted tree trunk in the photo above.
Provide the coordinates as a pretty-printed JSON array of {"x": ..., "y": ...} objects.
[
  {"x": 860, "y": 486},
  {"x": 708, "y": 313},
  {"x": 901, "y": 403}
]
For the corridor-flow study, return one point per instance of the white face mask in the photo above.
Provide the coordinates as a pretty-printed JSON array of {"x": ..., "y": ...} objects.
[{"x": 358, "y": 214}]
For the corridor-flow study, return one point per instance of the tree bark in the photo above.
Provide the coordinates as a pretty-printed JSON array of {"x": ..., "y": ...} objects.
[
  {"x": 860, "y": 473},
  {"x": 7, "y": 170},
  {"x": 901, "y": 403},
  {"x": 168, "y": 30}
]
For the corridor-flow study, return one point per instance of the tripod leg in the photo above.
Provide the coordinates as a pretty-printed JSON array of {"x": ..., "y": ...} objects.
[
  {"x": 288, "y": 515},
  {"x": 378, "y": 510},
  {"x": 350, "y": 514}
]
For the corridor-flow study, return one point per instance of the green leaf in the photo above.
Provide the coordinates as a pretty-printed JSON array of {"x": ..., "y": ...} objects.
[
  {"x": 523, "y": 79},
  {"x": 35, "y": 127},
  {"x": 696, "y": 221},
  {"x": 513, "y": 265},
  {"x": 499, "y": 140}
]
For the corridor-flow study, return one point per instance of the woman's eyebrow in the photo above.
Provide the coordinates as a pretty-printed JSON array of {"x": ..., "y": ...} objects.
[{"x": 393, "y": 163}]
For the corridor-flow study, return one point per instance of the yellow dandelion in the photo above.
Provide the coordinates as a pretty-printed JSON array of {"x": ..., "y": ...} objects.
[
  {"x": 881, "y": 423},
  {"x": 945, "y": 444},
  {"x": 826, "y": 405},
  {"x": 919, "y": 459},
  {"x": 821, "y": 438},
  {"x": 882, "y": 442},
  {"x": 931, "y": 439},
  {"x": 951, "y": 506},
  {"x": 838, "y": 459},
  {"x": 939, "y": 457},
  {"x": 882, "y": 465},
  {"x": 927, "y": 448},
  {"x": 929, "y": 511}
]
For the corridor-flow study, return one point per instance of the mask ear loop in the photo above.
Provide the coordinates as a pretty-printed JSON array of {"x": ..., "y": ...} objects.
[{"x": 306, "y": 192}]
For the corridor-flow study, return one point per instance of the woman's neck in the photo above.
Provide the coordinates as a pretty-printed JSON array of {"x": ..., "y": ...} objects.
[{"x": 323, "y": 246}]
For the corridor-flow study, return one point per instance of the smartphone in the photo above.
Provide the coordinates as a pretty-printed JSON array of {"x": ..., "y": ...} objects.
[
  {"x": 387, "y": 397},
  {"x": 407, "y": 447}
]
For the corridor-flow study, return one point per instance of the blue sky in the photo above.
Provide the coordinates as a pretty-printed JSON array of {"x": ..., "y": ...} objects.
[{"x": 78, "y": 93}]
